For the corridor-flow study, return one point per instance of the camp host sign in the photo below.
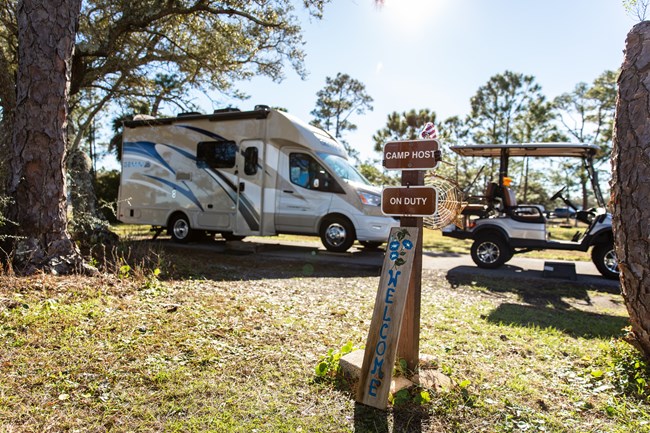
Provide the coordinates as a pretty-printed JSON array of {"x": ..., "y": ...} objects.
[
  {"x": 411, "y": 154},
  {"x": 381, "y": 345}
]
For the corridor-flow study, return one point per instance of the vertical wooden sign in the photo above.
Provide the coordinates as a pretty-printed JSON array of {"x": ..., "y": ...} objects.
[{"x": 386, "y": 324}]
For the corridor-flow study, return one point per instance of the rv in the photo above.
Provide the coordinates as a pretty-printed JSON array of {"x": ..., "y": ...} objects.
[{"x": 246, "y": 173}]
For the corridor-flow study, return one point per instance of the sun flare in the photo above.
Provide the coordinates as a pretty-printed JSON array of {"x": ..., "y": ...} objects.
[{"x": 412, "y": 13}]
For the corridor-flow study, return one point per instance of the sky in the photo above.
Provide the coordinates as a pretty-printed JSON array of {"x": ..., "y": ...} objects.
[{"x": 435, "y": 54}]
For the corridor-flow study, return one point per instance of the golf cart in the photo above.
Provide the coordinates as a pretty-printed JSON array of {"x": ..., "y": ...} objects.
[{"x": 500, "y": 227}]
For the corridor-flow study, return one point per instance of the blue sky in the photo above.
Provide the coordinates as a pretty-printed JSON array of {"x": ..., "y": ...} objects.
[{"x": 436, "y": 53}]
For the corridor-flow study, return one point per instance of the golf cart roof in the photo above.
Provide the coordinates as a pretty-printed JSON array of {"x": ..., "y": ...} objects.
[{"x": 580, "y": 150}]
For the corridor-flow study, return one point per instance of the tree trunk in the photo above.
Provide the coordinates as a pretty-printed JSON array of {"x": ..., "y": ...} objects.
[
  {"x": 8, "y": 104},
  {"x": 46, "y": 32},
  {"x": 631, "y": 182}
]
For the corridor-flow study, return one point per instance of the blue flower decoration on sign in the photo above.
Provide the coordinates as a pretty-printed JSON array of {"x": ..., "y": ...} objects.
[{"x": 397, "y": 247}]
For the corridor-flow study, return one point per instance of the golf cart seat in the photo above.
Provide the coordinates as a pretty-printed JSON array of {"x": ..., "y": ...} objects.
[
  {"x": 487, "y": 202},
  {"x": 527, "y": 213}
]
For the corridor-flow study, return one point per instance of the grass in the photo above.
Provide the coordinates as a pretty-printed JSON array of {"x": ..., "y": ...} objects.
[{"x": 229, "y": 343}]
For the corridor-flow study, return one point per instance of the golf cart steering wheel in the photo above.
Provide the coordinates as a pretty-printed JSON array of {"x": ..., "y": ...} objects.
[{"x": 557, "y": 194}]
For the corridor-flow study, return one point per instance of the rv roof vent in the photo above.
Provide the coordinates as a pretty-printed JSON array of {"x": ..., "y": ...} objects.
[
  {"x": 262, "y": 108},
  {"x": 189, "y": 113},
  {"x": 226, "y": 110}
]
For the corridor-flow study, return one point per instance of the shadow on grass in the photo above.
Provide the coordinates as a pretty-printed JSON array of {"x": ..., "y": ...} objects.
[
  {"x": 575, "y": 323},
  {"x": 215, "y": 261},
  {"x": 534, "y": 291},
  {"x": 548, "y": 305},
  {"x": 408, "y": 418},
  {"x": 368, "y": 419}
]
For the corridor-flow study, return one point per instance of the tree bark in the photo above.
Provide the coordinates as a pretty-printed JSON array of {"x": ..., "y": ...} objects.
[
  {"x": 47, "y": 30},
  {"x": 631, "y": 182},
  {"x": 8, "y": 104}
]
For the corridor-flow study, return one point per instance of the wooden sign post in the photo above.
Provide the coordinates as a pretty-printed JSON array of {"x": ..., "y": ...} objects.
[
  {"x": 395, "y": 326},
  {"x": 386, "y": 324},
  {"x": 409, "y": 343}
]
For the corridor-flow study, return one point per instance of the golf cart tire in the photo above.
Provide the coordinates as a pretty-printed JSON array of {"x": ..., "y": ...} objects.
[
  {"x": 490, "y": 252},
  {"x": 604, "y": 257}
]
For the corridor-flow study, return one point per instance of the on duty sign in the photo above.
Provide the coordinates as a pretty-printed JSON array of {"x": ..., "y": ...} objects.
[
  {"x": 414, "y": 200},
  {"x": 411, "y": 154}
]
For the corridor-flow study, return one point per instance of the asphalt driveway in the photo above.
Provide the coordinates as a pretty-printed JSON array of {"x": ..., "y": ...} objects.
[{"x": 454, "y": 265}]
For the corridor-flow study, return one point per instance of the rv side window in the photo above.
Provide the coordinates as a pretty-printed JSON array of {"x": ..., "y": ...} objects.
[
  {"x": 306, "y": 172},
  {"x": 250, "y": 160},
  {"x": 216, "y": 154}
]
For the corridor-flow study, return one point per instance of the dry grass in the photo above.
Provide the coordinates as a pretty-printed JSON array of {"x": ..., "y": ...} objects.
[{"x": 226, "y": 343}]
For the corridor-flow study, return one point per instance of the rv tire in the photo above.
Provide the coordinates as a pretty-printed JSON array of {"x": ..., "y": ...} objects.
[
  {"x": 337, "y": 234},
  {"x": 180, "y": 230}
]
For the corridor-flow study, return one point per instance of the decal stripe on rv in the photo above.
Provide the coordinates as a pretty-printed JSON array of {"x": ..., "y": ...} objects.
[
  {"x": 204, "y": 132},
  {"x": 146, "y": 149},
  {"x": 187, "y": 192},
  {"x": 246, "y": 208}
]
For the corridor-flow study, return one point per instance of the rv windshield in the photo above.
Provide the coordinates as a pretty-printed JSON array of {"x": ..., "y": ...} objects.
[{"x": 343, "y": 168}]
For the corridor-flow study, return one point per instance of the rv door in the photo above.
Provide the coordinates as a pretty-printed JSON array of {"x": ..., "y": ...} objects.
[
  {"x": 250, "y": 178},
  {"x": 305, "y": 192}
]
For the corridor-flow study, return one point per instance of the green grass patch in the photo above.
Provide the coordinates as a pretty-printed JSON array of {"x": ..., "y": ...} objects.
[{"x": 221, "y": 343}]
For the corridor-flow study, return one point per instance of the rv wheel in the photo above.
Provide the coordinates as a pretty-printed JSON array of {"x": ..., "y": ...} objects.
[
  {"x": 337, "y": 234},
  {"x": 490, "y": 252},
  {"x": 180, "y": 229},
  {"x": 604, "y": 257}
]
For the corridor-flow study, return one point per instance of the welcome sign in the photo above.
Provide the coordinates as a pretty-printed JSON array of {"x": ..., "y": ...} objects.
[{"x": 381, "y": 345}]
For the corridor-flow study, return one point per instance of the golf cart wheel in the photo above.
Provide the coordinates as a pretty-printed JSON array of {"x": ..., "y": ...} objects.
[
  {"x": 337, "y": 234},
  {"x": 604, "y": 257},
  {"x": 490, "y": 252},
  {"x": 180, "y": 229}
]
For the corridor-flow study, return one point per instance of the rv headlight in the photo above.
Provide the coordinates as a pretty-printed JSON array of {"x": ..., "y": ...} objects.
[{"x": 369, "y": 198}]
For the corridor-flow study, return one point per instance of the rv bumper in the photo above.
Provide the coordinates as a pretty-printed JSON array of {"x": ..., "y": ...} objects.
[{"x": 375, "y": 229}]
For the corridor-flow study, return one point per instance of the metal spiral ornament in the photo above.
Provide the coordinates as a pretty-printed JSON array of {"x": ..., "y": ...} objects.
[{"x": 450, "y": 202}]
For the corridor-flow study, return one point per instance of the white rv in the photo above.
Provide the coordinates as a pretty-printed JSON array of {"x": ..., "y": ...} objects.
[{"x": 246, "y": 173}]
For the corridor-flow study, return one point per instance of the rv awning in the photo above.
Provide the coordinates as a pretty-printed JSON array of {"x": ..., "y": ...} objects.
[{"x": 578, "y": 150}]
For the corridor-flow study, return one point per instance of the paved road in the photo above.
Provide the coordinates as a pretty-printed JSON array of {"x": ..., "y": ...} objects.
[{"x": 454, "y": 265}]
